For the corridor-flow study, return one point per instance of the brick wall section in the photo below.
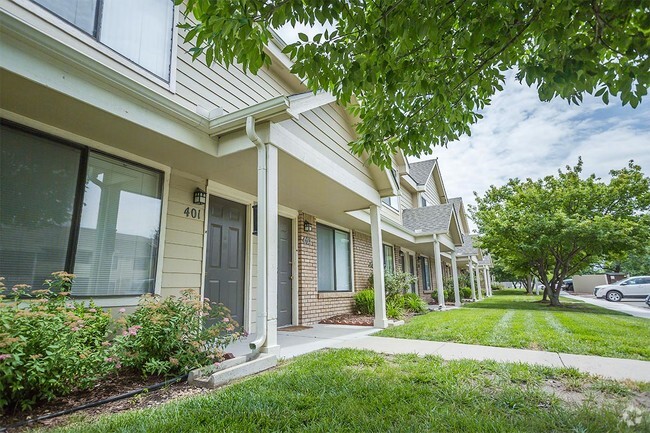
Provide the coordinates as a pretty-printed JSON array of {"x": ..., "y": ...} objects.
[
  {"x": 362, "y": 254},
  {"x": 314, "y": 306}
]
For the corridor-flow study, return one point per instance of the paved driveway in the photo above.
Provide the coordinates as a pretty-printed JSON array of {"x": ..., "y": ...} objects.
[{"x": 633, "y": 308}]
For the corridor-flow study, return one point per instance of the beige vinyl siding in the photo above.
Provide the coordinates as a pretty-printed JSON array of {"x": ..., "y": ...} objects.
[
  {"x": 431, "y": 194},
  {"x": 216, "y": 86},
  {"x": 407, "y": 199},
  {"x": 183, "y": 238},
  {"x": 327, "y": 130}
]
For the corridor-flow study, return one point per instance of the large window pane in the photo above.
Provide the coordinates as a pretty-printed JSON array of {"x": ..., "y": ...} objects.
[
  {"x": 325, "y": 242},
  {"x": 141, "y": 31},
  {"x": 342, "y": 254},
  {"x": 80, "y": 13},
  {"x": 38, "y": 180},
  {"x": 120, "y": 225}
]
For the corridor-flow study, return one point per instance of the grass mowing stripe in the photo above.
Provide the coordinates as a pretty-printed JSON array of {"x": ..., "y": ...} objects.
[{"x": 499, "y": 331}]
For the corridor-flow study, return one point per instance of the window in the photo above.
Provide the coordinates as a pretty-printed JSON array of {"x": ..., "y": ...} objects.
[
  {"x": 333, "y": 255},
  {"x": 66, "y": 207},
  {"x": 389, "y": 259},
  {"x": 391, "y": 201},
  {"x": 139, "y": 30},
  {"x": 426, "y": 273},
  {"x": 423, "y": 201}
]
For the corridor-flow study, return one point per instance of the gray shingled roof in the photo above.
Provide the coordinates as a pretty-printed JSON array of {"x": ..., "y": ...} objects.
[
  {"x": 458, "y": 201},
  {"x": 421, "y": 170},
  {"x": 467, "y": 249},
  {"x": 430, "y": 219},
  {"x": 487, "y": 260}
]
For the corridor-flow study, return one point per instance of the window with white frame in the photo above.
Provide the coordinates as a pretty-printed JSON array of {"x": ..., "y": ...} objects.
[
  {"x": 423, "y": 201},
  {"x": 333, "y": 259},
  {"x": 141, "y": 31},
  {"x": 393, "y": 202},
  {"x": 67, "y": 207},
  {"x": 389, "y": 259}
]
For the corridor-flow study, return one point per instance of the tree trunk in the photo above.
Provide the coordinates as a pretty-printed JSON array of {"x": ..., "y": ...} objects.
[
  {"x": 546, "y": 294},
  {"x": 529, "y": 285},
  {"x": 554, "y": 296}
]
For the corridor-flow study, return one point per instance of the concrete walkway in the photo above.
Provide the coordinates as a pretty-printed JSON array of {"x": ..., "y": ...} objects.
[
  {"x": 314, "y": 337},
  {"x": 317, "y": 337},
  {"x": 614, "y": 306}
]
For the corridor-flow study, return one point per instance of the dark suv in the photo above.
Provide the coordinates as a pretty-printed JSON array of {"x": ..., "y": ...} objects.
[{"x": 567, "y": 285}]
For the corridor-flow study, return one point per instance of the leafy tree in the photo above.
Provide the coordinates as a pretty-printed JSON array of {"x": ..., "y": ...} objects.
[
  {"x": 417, "y": 72},
  {"x": 553, "y": 226},
  {"x": 501, "y": 272}
]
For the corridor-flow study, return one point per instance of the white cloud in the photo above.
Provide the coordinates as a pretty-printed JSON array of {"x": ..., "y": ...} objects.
[{"x": 520, "y": 136}]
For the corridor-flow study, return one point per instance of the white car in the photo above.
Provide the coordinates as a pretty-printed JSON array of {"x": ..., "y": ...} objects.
[{"x": 633, "y": 287}]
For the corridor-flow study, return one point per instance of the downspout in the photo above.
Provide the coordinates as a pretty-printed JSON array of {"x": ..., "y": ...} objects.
[{"x": 261, "y": 236}]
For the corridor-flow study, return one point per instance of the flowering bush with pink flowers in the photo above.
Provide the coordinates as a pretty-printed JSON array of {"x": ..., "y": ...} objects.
[
  {"x": 49, "y": 345},
  {"x": 168, "y": 335}
]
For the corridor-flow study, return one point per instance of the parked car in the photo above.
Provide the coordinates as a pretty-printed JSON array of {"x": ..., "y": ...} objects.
[
  {"x": 567, "y": 285},
  {"x": 647, "y": 300},
  {"x": 633, "y": 287}
]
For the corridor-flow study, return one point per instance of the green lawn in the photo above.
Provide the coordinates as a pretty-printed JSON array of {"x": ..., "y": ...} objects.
[
  {"x": 512, "y": 319},
  {"x": 361, "y": 391}
]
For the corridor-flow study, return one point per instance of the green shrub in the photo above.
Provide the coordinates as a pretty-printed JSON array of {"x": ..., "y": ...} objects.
[
  {"x": 49, "y": 345},
  {"x": 398, "y": 283},
  {"x": 364, "y": 302},
  {"x": 497, "y": 286},
  {"x": 167, "y": 336},
  {"x": 395, "y": 307},
  {"x": 466, "y": 292},
  {"x": 414, "y": 304}
]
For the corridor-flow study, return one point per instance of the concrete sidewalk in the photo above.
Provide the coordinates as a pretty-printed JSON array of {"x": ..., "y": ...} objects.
[
  {"x": 612, "y": 368},
  {"x": 614, "y": 306},
  {"x": 316, "y": 337}
]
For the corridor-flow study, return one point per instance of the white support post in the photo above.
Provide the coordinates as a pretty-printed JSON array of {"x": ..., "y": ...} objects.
[
  {"x": 454, "y": 274},
  {"x": 489, "y": 275},
  {"x": 381, "y": 321},
  {"x": 471, "y": 277},
  {"x": 437, "y": 257},
  {"x": 485, "y": 280},
  {"x": 478, "y": 283},
  {"x": 271, "y": 344}
]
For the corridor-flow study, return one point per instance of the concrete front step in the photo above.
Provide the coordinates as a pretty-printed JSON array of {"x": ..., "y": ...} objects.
[{"x": 229, "y": 370}]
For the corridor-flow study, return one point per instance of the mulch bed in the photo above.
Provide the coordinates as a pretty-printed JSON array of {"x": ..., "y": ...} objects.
[
  {"x": 107, "y": 388},
  {"x": 349, "y": 319}
]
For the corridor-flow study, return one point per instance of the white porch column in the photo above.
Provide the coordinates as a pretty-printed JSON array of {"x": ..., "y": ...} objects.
[
  {"x": 471, "y": 276},
  {"x": 489, "y": 275},
  {"x": 381, "y": 321},
  {"x": 454, "y": 274},
  {"x": 438, "y": 263},
  {"x": 271, "y": 344},
  {"x": 487, "y": 283},
  {"x": 478, "y": 282}
]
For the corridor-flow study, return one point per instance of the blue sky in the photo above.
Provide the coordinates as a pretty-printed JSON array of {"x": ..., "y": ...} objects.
[{"x": 521, "y": 136}]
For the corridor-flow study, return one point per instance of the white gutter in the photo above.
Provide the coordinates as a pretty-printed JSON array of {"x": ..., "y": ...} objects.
[{"x": 261, "y": 236}]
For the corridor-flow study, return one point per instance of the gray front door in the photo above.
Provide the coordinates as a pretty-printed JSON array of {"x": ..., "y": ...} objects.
[
  {"x": 285, "y": 268},
  {"x": 225, "y": 260}
]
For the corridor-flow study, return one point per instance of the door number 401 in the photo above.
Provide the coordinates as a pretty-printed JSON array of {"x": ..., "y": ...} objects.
[{"x": 192, "y": 213}]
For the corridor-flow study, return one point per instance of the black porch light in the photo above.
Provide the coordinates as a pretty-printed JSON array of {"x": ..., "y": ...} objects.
[{"x": 199, "y": 196}]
